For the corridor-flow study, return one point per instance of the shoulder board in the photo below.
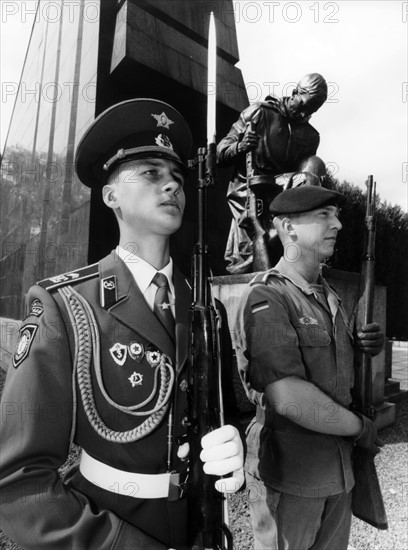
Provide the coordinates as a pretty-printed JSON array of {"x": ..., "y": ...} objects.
[
  {"x": 70, "y": 277},
  {"x": 263, "y": 278}
]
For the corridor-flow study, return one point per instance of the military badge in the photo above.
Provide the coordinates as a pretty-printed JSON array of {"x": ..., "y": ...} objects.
[
  {"x": 36, "y": 308},
  {"x": 306, "y": 320},
  {"x": 119, "y": 353},
  {"x": 183, "y": 385},
  {"x": 25, "y": 339},
  {"x": 163, "y": 120},
  {"x": 153, "y": 357},
  {"x": 163, "y": 141},
  {"x": 136, "y": 351},
  {"x": 108, "y": 291},
  {"x": 136, "y": 379},
  {"x": 109, "y": 285}
]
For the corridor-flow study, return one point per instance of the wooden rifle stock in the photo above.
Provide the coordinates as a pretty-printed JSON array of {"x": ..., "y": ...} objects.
[
  {"x": 207, "y": 529},
  {"x": 367, "y": 503}
]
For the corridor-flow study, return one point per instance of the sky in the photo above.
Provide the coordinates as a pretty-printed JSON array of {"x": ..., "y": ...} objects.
[{"x": 360, "y": 47}]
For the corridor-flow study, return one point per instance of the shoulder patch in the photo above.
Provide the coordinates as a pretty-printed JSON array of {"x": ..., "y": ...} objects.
[
  {"x": 25, "y": 339},
  {"x": 70, "y": 277}
]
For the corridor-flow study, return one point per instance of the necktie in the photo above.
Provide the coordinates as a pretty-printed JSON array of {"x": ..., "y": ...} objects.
[{"x": 162, "y": 307}]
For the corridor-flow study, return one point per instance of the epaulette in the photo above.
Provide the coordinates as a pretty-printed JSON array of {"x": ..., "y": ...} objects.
[
  {"x": 70, "y": 277},
  {"x": 263, "y": 278}
]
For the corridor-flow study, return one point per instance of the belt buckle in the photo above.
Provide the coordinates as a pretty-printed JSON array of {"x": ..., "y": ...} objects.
[{"x": 177, "y": 485}]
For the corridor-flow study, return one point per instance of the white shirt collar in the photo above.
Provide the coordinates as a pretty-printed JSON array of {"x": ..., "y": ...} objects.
[{"x": 142, "y": 271}]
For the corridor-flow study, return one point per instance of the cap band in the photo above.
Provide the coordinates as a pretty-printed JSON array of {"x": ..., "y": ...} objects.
[{"x": 138, "y": 152}]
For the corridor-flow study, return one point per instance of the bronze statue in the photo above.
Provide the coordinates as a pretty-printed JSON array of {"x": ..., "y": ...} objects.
[{"x": 270, "y": 144}]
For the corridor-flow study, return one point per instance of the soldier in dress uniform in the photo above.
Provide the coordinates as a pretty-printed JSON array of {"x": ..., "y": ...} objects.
[{"x": 100, "y": 362}]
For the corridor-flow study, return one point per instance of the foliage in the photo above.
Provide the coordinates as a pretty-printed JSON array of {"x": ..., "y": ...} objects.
[{"x": 391, "y": 266}]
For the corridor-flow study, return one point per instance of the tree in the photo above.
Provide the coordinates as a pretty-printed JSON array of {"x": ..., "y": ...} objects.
[{"x": 391, "y": 251}]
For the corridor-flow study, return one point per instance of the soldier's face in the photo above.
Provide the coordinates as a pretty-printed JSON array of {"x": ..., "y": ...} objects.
[
  {"x": 316, "y": 232},
  {"x": 148, "y": 196},
  {"x": 301, "y": 105}
]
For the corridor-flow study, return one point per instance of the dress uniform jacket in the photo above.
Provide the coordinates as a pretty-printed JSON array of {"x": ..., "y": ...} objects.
[{"x": 133, "y": 367}]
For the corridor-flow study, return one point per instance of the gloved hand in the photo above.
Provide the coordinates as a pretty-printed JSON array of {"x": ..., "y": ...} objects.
[
  {"x": 248, "y": 142},
  {"x": 223, "y": 454},
  {"x": 370, "y": 339},
  {"x": 367, "y": 438}
]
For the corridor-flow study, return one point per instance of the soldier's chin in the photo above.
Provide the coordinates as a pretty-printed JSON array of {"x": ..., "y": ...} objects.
[{"x": 172, "y": 224}]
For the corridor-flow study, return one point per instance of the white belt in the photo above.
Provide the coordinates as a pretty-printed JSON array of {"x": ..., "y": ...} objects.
[{"x": 124, "y": 483}]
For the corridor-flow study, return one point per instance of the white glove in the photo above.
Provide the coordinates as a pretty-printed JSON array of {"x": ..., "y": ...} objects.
[{"x": 223, "y": 454}]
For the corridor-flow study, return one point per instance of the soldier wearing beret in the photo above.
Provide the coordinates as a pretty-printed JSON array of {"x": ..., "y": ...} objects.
[
  {"x": 295, "y": 356},
  {"x": 101, "y": 363},
  {"x": 283, "y": 141}
]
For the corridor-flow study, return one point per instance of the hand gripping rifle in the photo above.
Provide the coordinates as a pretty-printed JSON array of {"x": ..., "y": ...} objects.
[
  {"x": 368, "y": 503},
  {"x": 206, "y": 506}
]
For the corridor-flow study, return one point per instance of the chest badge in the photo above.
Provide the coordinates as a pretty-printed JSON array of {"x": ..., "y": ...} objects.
[
  {"x": 153, "y": 357},
  {"x": 136, "y": 351},
  {"x": 136, "y": 379},
  {"x": 306, "y": 320},
  {"x": 119, "y": 353}
]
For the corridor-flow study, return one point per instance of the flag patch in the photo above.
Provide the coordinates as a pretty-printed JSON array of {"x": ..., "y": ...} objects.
[{"x": 261, "y": 306}]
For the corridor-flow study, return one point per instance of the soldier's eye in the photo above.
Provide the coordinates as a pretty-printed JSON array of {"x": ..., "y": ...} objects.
[{"x": 153, "y": 172}]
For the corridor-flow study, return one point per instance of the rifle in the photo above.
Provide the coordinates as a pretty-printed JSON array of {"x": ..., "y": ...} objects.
[
  {"x": 206, "y": 508},
  {"x": 367, "y": 502}
]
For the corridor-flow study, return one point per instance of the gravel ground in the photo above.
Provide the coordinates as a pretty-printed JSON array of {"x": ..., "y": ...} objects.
[{"x": 392, "y": 467}]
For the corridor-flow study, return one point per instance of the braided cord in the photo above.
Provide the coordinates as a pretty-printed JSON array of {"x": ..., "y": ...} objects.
[{"x": 87, "y": 341}]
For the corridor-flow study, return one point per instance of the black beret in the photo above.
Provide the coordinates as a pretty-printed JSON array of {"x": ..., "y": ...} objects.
[
  {"x": 303, "y": 198},
  {"x": 137, "y": 128}
]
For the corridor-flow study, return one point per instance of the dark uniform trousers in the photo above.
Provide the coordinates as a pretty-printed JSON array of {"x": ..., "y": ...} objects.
[{"x": 134, "y": 367}]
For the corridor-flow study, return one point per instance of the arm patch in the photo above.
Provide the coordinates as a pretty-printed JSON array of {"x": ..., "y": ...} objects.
[{"x": 25, "y": 339}]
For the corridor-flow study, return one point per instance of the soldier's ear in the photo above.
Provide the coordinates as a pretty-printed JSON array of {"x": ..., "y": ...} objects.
[
  {"x": 287, "y": 226},
  {"x": 109, "y": 196}
]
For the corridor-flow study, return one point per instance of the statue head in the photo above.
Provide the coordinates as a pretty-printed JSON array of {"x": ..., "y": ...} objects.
[{"x": 308, "y": 96}]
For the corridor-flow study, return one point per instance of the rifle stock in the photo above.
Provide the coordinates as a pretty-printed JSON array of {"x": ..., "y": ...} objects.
[{"x": 367, "y": 503}]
